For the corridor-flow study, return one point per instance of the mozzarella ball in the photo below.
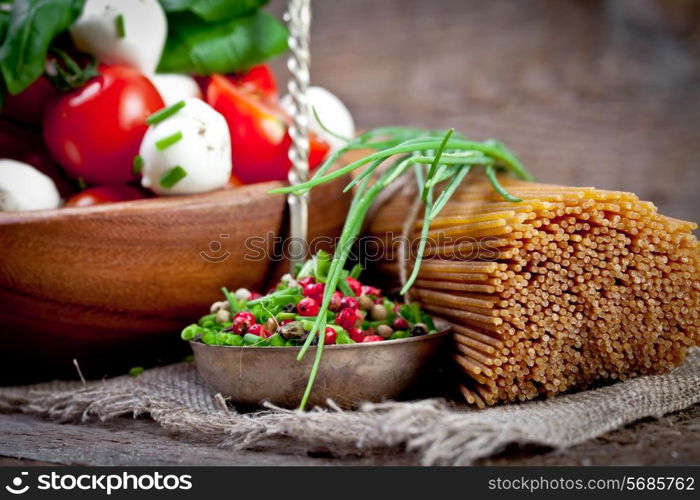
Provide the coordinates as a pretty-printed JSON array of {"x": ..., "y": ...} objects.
[
  {"x": 334, "y": 115},
  {"x": 203, "y": 152},
  {"x": 23, "y": 187},
  {"x": 130, "y": 32},
  {"x": 173, "y": 87}
]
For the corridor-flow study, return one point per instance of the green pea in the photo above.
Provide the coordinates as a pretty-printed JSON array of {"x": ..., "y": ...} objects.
[
  {"x": 136, "y": 371},
  {"x": 190, "y": 332},
  {"x": 221, "y": 338},
  {"x": 399, "y": 334},
  {"x": 322, "y": 264},
  {"x": 343, "y": 337},
  {"x": 207, "y": 318},
  {"x": 232, "y": 339},
  {"x": 276, "y": 340},
  {"x": 209, "y": 338},
  {"x": 255, "y": 340}
]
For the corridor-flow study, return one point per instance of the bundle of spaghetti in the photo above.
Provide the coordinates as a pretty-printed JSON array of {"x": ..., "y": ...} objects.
[{"x": 569, "y": 287}]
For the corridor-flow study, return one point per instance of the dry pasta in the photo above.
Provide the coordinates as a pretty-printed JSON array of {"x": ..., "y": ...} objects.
[{"x": 569, "y": 287}]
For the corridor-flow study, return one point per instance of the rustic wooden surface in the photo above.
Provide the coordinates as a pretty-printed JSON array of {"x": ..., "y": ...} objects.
[
  {"x": 602, "y": 92},
  {"x": 671, "y": 440}
]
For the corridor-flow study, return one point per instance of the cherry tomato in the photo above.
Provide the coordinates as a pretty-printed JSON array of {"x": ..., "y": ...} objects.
[
  {"x": 259, "y": 139},
  {"x": 94, "y": 132},
  {"x": 105, "y": 194},
  {"x": 258, "y": 80},
  {"x": 28, "y": 106}
]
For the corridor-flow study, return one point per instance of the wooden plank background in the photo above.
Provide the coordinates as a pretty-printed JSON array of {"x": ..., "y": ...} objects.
[{"x": 595, "y": 92}]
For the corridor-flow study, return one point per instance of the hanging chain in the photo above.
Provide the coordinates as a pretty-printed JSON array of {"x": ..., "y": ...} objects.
[{"x": 298, "y": 18}]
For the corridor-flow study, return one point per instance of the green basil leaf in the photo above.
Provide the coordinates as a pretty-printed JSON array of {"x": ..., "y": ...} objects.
[
  {"x": 196, "y": 46},
  {"x": 176, "y": 5},
  {"x": 218, "y": 10},
  {"x": 4, "y": 22},
  {"x": 214, "y": 10},
  {"x": 33, "y": 24}
]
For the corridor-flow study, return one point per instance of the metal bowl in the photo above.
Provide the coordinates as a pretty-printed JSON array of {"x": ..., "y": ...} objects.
[{"x": 348, "y": 374}]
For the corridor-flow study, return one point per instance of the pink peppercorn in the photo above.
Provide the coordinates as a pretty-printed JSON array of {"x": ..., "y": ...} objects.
[{"x": 346, "y": 318}]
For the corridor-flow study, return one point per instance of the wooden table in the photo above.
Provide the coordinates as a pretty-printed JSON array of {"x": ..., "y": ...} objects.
[{"x": 600, "y": 93}]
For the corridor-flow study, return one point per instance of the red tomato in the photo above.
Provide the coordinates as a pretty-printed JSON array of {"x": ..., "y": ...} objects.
[
  {"x": 105, "y": 194},
  {"x": 259, "y": 139},
  {"x": 94, "y": 132},
  {"x": 28, "y": 106},
  {"x": 258, "y": 80}
]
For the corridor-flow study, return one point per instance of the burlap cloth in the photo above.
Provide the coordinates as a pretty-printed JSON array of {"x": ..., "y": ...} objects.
[{"x": 439, "y": 433}]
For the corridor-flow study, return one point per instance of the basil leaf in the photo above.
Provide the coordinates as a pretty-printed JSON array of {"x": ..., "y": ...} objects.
[
  {"x": 196, "y": 46},
  {"x": 218, "y": 10},
  {"x": 176, "y": 5},
  {"x": 214, "y": 10},
  {"x": 4, "y": 21},
  {"x": 33, "y": 24}
]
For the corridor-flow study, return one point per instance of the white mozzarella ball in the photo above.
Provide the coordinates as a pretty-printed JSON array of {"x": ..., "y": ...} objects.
[
  {"x": 23, "y": 187},
  {"x": 130, "y": 32},
  {"x": 173, "y": 87},
  {"x": 334, "y": 115},
  {"x": 203, "y": 152}
]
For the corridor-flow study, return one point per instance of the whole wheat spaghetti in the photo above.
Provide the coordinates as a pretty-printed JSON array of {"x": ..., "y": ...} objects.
[{"x": 565, "y": 288}]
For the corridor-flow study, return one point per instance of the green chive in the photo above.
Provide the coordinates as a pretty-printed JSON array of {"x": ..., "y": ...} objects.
[
  {"x": 166, "y": 142},
  {"x": 119, "y": 25},
  {"x": 173, "y": 176},
  {"x": 81, "y": 183},
  {"x": 164, "y": 113},
  {"x": 137, "y": 165}
]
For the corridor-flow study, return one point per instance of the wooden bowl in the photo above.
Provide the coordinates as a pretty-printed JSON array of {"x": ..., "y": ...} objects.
[
  {"x": 112, "y": 285},
  {"x": 348, "y": 374}
]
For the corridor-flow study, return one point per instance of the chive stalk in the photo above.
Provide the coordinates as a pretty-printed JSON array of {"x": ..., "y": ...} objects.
[
  {"x": 165, "y": 113},
  {"x": 168, "y": 141},
  {"x": 119, "y": 26},
  {"x": 173, "y": 176},
  {"x": 137, "y": 165}
]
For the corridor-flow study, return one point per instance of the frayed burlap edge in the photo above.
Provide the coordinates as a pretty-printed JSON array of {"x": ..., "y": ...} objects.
[{"x": 439, "y": 433}]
